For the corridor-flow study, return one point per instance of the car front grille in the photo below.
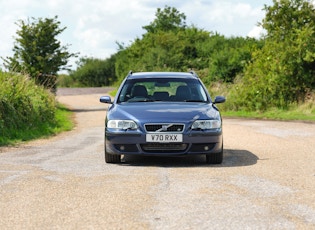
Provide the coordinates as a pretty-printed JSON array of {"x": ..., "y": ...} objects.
[
  {"x": 178, "y": 128},
  {"x": 164, "y": 147}
]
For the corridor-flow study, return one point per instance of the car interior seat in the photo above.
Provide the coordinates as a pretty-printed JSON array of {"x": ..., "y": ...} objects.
[
  {"x": 139, "y": 91},
  {"x": 183, "y": 93},
  {"x": 161, "y": 96}
]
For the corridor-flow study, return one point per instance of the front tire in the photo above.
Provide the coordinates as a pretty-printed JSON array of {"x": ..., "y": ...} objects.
[
  {"x": 215, "y": 158},
  {"x": 111, "y": 158}
]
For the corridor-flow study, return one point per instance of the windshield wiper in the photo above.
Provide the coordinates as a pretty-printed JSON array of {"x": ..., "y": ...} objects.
[
  {"x": 141, "y": 100},
  {"x": 195, "y": 101}
]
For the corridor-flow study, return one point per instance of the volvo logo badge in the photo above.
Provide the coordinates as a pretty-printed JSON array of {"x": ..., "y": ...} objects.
[{"x": 164, "y": 128}]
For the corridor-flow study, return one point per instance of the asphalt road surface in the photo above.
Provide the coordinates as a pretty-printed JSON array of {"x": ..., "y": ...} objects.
[{"x": 267, "y": 179}]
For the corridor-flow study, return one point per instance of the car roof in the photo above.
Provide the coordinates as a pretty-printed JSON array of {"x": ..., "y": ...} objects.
[{"x": 141, "y": 75}]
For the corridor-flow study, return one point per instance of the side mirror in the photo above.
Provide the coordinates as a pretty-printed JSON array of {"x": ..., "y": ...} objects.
[
  {"x": 219, "y": 99},
  {"x": 106, "y": 99}
]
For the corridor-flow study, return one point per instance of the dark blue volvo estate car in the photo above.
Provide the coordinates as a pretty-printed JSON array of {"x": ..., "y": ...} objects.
[{"x": 163, "y": 113}]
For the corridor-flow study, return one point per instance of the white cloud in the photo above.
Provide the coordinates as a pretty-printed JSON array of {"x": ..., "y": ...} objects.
[
  {"x": 93, "y": 27},
  {"x": 227, "y": 17},
  {"x": 256, "y": 32}
]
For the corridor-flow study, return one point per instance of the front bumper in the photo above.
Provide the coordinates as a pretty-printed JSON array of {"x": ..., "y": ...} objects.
[{"x": 134, "y": 143}]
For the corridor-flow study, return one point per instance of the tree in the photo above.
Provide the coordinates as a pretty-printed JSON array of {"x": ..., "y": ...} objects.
[
  {"x": 290, "y": 27},
  {"x": 285, "y": 16},
  {"x": 95, "y": 72},
  {"x": 38, "y": 52},
  {"x": 283, "y": 71},
  {"x": 229, "y": 56},
  {"x": 166, "y": 20}
]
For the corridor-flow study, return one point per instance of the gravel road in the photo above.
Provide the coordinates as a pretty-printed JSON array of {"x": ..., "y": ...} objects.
[{"x": 267, "y": 179}]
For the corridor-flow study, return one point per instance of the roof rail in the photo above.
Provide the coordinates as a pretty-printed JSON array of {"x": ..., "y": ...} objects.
[
  {"x": 194, "y": 73},
  {"x": 129, "y": 74}
]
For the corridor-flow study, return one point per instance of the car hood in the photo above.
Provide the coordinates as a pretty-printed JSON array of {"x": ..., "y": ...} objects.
[{"x": 163, "y": 112}]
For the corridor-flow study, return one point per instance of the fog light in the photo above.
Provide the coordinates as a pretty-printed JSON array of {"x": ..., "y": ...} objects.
[{"x": 206, "y": 148}]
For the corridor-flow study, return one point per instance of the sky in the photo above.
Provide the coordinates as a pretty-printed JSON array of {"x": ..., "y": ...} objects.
[{"x": 93, "y": 27}]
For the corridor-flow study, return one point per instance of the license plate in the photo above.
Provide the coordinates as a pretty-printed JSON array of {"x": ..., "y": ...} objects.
[{"x": 164, "y": 137}]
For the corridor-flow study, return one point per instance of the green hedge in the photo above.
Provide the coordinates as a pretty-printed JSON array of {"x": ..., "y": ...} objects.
[{"x": 25, "y": 108}]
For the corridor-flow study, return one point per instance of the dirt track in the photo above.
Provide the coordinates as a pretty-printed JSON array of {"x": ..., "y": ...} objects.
[{"x": 267, "y": 180}]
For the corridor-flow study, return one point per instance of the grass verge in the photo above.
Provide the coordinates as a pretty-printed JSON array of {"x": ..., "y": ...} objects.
[
  {"x": 63, "y": 122},
  {"x": 305, "y": 112},
  {"x": 295, "y": 112}
]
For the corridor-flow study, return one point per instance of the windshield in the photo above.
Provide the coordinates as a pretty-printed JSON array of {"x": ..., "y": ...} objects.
[{"x": 162, "y": 89}]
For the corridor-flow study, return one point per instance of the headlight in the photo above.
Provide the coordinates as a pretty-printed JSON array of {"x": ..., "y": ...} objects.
[
  {"x": 122, "y": 124},
  {"x": 206, "y": 124}
]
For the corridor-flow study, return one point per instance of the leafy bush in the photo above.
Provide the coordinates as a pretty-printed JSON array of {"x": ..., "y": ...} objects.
[
  {"x": 93, "y": 72},
  {"x": 24, "y": 106},
  {"x": 282, "y": 72},
  {"x": 65, "y": 81}
]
